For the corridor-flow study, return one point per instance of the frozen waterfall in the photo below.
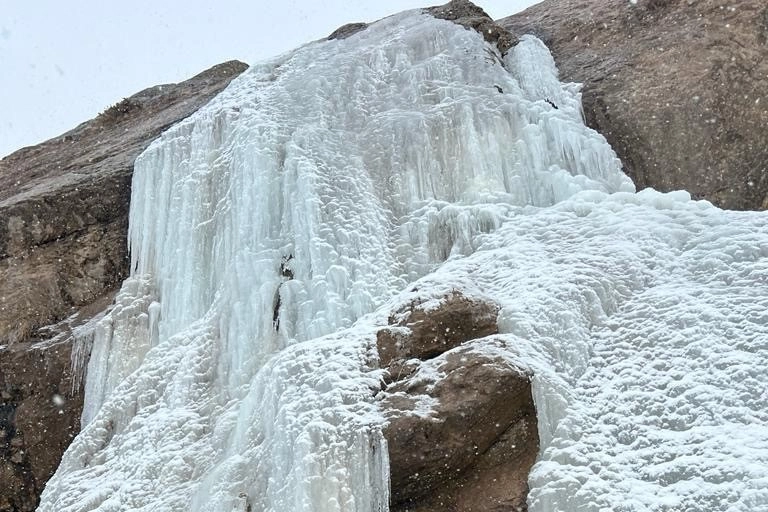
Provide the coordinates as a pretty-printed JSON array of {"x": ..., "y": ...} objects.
[{"x": 272, "y": 232}]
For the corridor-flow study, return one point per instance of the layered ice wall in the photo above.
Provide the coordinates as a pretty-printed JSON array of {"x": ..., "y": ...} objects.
[
  {"x": 231, "y": 373},
  {"x": 274, "y": 230}
]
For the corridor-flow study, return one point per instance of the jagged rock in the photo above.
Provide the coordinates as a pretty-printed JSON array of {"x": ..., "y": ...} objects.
[
  {"x": 63, "y": 230},
  {"x": 472, "y": 17},
  {"x": 461, "y": 430},
  {"x": 678, "y": 87}
]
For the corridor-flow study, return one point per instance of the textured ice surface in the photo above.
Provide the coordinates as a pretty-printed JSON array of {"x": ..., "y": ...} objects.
[
  {"x": 645, "y": 319},
  {"x": 273, "y": 230}
]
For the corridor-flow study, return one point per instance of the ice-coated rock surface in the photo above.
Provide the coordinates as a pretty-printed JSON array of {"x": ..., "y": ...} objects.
[{"x": 273, "y": 232}]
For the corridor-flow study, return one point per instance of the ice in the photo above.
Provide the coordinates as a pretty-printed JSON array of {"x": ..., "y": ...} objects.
[
  {"x": 274, "y": 231},
  {"x": 643, "y": 317},
  {"x": 117, "y": 343}
]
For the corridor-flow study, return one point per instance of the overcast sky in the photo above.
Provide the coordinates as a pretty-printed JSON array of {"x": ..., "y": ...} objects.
[{"x": 61, "y": 63}]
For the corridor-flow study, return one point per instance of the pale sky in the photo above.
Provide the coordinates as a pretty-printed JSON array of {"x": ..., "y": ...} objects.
[{"x": 61, "y": 63}]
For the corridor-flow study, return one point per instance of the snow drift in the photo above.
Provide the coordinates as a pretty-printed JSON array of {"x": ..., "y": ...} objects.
[{"x": 273, "y": 231}]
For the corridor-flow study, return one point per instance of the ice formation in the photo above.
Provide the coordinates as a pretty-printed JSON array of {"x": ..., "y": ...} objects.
[{"x": 274, "y": 230}]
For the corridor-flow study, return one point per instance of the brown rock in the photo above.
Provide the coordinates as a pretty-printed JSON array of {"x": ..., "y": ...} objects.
[
  {"x": 474, "y": 452},
  {"x": 422, "y": 332},
  {"x": 472, "y": 17},
  {"x": 473, "y": 448},
  {"x": 63, "y": 225},
  {"x": 12, "y": 479},
  {"x": 679, "y": 88},
  {"x": 39, "y": 416}
]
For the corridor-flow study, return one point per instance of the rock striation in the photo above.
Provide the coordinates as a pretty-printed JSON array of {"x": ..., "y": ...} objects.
[
  {"x": 678, "y": 87},
  {"x": 63, "y": 225}
]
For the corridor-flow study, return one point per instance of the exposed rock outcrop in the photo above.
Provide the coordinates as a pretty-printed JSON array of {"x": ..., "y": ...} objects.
[
  {"x": 63, "y": 229},
  {"x": 421, "y": 331},
  {"x": 347, "y": 30},
  {"x": 462, "y": 428},
  {"x": 39, "y": 416},
  {"x": 472, "y": 17},
  {"x": 678, "y": 87}
]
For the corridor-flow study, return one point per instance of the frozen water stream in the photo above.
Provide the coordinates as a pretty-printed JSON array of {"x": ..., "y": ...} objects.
[{"x": 272, "y": 232}]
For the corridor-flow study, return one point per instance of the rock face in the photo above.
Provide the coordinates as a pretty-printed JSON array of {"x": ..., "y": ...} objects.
[
  {"x": 63, "y": 225},
  {"x": 347, "y": 30},
  {"x": 39, "y": 415},
  {"x": 678, "y": 87},
  {"x": 462, "y": 431}
]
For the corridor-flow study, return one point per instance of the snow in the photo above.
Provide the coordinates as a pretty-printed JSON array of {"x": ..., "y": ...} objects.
[
  {"x": 643, "y": 317},
  {"x": 275, "y": 230}
]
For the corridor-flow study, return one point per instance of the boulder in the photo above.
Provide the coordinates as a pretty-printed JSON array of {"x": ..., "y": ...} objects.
[
  {"x": 678, "y": 87},
  {"x": 461, "y": 431},
  {"x": 464, "y": 441},
  {"x": 63, "y": 253},
  {"x": 425, "y": 329}
]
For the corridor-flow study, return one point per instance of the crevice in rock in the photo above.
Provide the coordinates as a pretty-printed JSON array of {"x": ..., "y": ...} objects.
[{"x": 276, "y": 310}]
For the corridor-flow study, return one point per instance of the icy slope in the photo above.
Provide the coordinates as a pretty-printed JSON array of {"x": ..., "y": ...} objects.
[
  {"x": 645, "y": 320},
  {"x": 672, "y": 412},
  {"x": 274, "y": 230}
]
